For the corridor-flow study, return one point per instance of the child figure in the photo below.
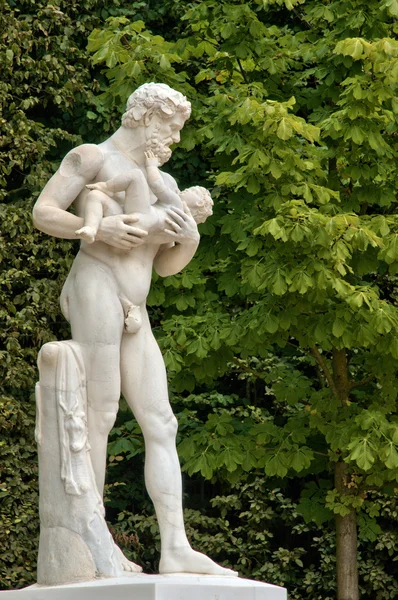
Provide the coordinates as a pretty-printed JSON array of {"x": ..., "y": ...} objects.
[{"x": 100, "y": 201}]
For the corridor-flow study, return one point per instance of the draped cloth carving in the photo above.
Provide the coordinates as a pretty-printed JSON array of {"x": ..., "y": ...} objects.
[{"x": 75, "y": 543}]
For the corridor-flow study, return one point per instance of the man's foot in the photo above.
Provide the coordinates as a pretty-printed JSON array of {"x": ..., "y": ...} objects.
[
  {"x": 86, "y": 233},
  {"x": 186, "y": 560},
  {"x": 127, "y": 565},
  {"x": 101, "y": 186}
]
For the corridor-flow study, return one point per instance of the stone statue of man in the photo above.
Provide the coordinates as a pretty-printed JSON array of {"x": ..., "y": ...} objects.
[{"x": 113, "y": 275}]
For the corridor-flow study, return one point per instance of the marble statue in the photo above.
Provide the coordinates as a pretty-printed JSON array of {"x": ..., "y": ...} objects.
[{"x": 130, "y": 218}]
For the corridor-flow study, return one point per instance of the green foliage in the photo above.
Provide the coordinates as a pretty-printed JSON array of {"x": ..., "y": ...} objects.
[
  {"x": 30, "y": 281},
  {"x": 291, "y": 299},
  {"x": 18, "y": 492},
  {"x": 294, "y": 130},
  {"x": 255, "y": 527}
]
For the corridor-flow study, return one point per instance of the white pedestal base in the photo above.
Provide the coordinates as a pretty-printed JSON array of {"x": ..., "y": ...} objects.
[{"x": 155, "y": 587}]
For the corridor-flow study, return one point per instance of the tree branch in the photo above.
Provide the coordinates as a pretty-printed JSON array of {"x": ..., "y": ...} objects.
[
  {"x": 319, "y": 375},
  {"x": 244, "y": 369},
  {"x": 242, "y": 71},
  {"x": 322, "y": 363},
  {"x": 365, "y": 381}
]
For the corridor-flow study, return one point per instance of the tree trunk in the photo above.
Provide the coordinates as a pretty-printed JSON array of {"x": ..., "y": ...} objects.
[
  {"x": 340, "y": 374},
  {"x": 346, "y": 545},
  {"x": 346, "y": 527}
]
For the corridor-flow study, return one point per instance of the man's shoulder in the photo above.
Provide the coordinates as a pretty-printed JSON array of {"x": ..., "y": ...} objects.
[{"x": 85, "y": 160}]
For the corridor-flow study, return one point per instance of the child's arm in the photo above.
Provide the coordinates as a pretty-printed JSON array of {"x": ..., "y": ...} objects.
[{"x": 156, "y": 183}]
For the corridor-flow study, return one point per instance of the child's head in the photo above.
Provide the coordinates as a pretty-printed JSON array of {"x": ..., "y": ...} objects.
[{"x": 199, "y": 202}]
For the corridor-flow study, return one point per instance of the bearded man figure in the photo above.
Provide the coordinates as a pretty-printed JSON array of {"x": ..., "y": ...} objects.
[{"x": 114, "y": 272}]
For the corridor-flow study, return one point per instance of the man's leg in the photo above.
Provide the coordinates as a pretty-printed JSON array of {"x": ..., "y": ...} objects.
[
  {"x": 97, "y": 318},
  {"x": 144, "y": 386}
]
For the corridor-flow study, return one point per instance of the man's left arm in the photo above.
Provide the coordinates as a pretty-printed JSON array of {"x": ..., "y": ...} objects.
[
  {"x": 171, "y": 259},
  {"x": 156, "y": 221}
]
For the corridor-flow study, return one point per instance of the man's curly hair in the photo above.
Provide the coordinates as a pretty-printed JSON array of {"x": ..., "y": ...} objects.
[{"x": 154, "y": 98}]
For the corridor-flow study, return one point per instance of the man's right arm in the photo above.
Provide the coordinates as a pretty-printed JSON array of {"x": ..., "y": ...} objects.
[
  {"x": 79, "y": 167},
  {"x": 50, "y": 213}
]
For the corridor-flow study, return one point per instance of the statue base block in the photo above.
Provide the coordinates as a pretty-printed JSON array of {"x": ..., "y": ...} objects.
[{"x": 155, "y": 587}]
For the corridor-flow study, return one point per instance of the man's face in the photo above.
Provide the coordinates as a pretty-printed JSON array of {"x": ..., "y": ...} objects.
[{"x": 161, "y": 133}]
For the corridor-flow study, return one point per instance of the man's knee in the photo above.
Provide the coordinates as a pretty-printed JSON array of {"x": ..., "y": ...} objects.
[
  {"x": 106, "y": 420},
  {"x": 100, "y": 422},
  {"x": 103, "y": 403},
  {"x": 160, "y": 428}
]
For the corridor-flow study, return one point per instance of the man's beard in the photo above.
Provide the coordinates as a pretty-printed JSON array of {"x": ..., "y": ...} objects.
[{"x": 160, "y": 150}]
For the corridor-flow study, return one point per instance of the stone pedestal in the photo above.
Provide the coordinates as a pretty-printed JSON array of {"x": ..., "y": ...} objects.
[
  {"x": 155, "y": 587},
  {"x": 75, "y": 544}
]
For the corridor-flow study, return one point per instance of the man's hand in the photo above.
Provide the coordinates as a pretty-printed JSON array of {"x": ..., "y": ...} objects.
[
  {"x": 171, "y": 259},
  {"x": 183, "y": 227},
  {"x": 117, "y": 231}
]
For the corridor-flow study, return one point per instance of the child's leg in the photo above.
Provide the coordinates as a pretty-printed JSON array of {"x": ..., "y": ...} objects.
[
  {"x": 94, "y": 209},
  {"x": 137, "y": 194}
]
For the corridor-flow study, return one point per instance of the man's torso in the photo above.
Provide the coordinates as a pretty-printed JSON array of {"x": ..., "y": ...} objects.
[{"x": 132, "y": 269}]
